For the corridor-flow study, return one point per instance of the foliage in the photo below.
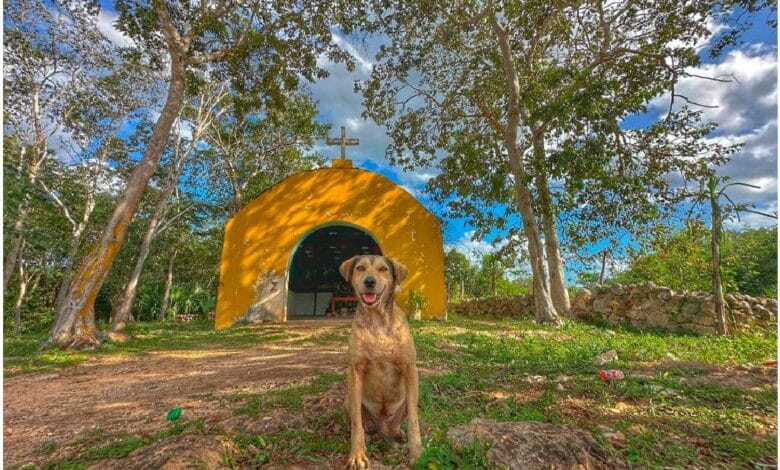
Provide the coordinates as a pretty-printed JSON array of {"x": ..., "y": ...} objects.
[
  {"x": 680, "y": 258},
  {"x": 417, "y": 301},
  {"x": 465, "y": 280}
]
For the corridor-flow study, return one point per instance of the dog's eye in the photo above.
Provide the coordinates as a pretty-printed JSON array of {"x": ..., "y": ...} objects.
[
  {"x": 360, "y": 268},
  {"x": 383, "y": 268}
]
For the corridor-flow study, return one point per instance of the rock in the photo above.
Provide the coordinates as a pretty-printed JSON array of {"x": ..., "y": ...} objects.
[
  {"x": 705, "y": 320},
  {"x": 618, "y": 289},
  {"x": 665, "y": 294},
  {"x": 658, "y": 318},
  {"x": 111, "y": 337},
  {"x": 742, "y": 305},
  {"x": 311, "y": 466},
  {"x": 279, "y": 420},
  {"x": 670, "y": 357},
  {"x": 581, "y": 303},
  {"x": 616, "y": 438},
  {"x": 762, "y": 313},
  {"x": 535, "y": 379},
  {"x": 690, "y": 308},
  {"x": 533, "y": 445},
  {"x": 270, "y": 303},
  {"x": 600, "y": 305},
  {"x": 607, "y": 357},
  {"x": 772, "y": 304},
  {"x": 730, "y": 299},
  {"x": 188, "y": 451}
]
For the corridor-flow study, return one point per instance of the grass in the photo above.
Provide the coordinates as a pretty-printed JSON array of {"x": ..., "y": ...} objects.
[
  {"x": 511, "y": 371},
  {"x": 24, "y": 354}
]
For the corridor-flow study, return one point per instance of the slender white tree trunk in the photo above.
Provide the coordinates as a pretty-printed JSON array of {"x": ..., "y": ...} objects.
[
  {"x": 168, "y": 286},
  {"x": 16, "y": 246},
  {"x": 603, "y": 268},
  {"x": 70, "y": 259},
  {"x": 717, "y": 285},
  {"x": 552, "y": 245},
  {"x": 20, "y": 298},
  {"x": 131, "y": 289},
  {"x": 545, "y": 310}
]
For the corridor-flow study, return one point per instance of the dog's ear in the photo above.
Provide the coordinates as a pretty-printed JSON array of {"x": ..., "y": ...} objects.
[
  {"x": 346, "y": 268},
  {"x": 399, "y": 270}
]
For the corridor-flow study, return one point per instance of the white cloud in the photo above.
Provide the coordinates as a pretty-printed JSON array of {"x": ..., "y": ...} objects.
[
  {"x": 749, "y": 100},
  {"x": 105, "y": 23},
  {"x": 474, "y": 249},
  {"x": 364, "y": 64}
]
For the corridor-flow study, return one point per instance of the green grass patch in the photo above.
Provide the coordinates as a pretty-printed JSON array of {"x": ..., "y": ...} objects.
[
  {"x": 24, "y": 354},
  {"x": 290, "y": 398},
  {"x": 508, "y": 370}
]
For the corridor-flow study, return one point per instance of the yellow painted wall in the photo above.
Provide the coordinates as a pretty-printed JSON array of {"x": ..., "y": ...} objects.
[{"x": 262, "y": 237}]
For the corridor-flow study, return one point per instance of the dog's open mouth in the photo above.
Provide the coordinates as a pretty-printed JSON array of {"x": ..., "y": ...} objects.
[{"x": 369, "y": 298}]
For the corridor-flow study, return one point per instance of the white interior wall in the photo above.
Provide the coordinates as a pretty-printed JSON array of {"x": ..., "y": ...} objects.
[{"x": 302, "y": 303}]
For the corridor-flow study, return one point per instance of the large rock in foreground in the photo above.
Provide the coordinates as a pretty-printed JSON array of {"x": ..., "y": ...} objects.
[
  {"x": 532, "y": 445},
  {"x": 180, "y": 452}
]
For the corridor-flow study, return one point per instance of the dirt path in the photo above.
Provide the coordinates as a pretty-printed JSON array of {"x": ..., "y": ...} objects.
[{"x": 132, "y": 394}]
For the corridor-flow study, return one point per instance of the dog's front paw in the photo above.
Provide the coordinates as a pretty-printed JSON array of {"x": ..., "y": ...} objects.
[
  {"x": 414, "y": 453},
  {"x": 358, "y": 461}
]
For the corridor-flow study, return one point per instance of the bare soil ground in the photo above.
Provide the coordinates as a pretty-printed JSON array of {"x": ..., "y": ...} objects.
[{"x": 132, "y": 394}]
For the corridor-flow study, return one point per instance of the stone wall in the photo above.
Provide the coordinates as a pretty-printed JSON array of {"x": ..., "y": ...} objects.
[
  {"x": 651, "y": 306},
  {"x": 505, "y": 307},
  {"x": 641, "y": 306}
]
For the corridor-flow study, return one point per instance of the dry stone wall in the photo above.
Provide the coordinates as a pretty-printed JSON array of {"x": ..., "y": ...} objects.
[{"x": 642, "y": 306}]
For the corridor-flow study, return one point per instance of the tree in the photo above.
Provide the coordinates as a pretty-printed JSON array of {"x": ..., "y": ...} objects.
[
  {"x": 710, "y": 192},
  {"x": 680, "y": 257},
  {"x": 497, "y": 95},
  {"x": 248, "y": 45},
  {"x": 57, "y": 65},
  {"x": 459, "y": 275},
  {"x": 249, "y": 152},
  {"x": 208, "y": 106}
]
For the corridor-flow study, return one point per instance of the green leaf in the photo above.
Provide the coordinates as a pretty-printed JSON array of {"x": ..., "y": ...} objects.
[{"x": 174, "y": 414}]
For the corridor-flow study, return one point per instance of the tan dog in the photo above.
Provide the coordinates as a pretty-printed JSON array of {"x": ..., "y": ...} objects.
[{"x": 382, "y": 378}]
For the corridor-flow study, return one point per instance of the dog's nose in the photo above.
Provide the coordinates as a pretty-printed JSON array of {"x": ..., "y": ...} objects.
[{"x": 370, "y": 282}]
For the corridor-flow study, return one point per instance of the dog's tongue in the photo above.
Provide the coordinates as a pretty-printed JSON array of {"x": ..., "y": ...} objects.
[{"x": 369, "y": 297}]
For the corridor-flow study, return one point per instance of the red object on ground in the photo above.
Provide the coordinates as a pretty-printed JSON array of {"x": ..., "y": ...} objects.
[{"x": 611, "y": 374}]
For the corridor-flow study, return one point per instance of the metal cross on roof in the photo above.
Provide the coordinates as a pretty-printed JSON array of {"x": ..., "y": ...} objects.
[{"x": 343, "y": 141}]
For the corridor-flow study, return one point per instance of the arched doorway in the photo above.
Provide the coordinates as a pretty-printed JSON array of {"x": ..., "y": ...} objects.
[{"x": 314, "y": 279}]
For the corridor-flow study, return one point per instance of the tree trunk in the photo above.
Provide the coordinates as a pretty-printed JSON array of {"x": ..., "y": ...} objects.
[
  {"x": 131, "y": 289},
  {"x": 552, "y": 246},
  {"x": 717, "y": 286},
  {"x": 75, "y": 325},
  {"x": 603, "y": 267},
  {"x": 493, "y": 273},
  {"x": 69, "y": 261},
  {"x": 545, "y": 310},
  {"x": 20, "y": 299},
  {"x": 39, "y": 152},
  {"x": 168, "y": 285},
  {"x": 10, "y": 260}
]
